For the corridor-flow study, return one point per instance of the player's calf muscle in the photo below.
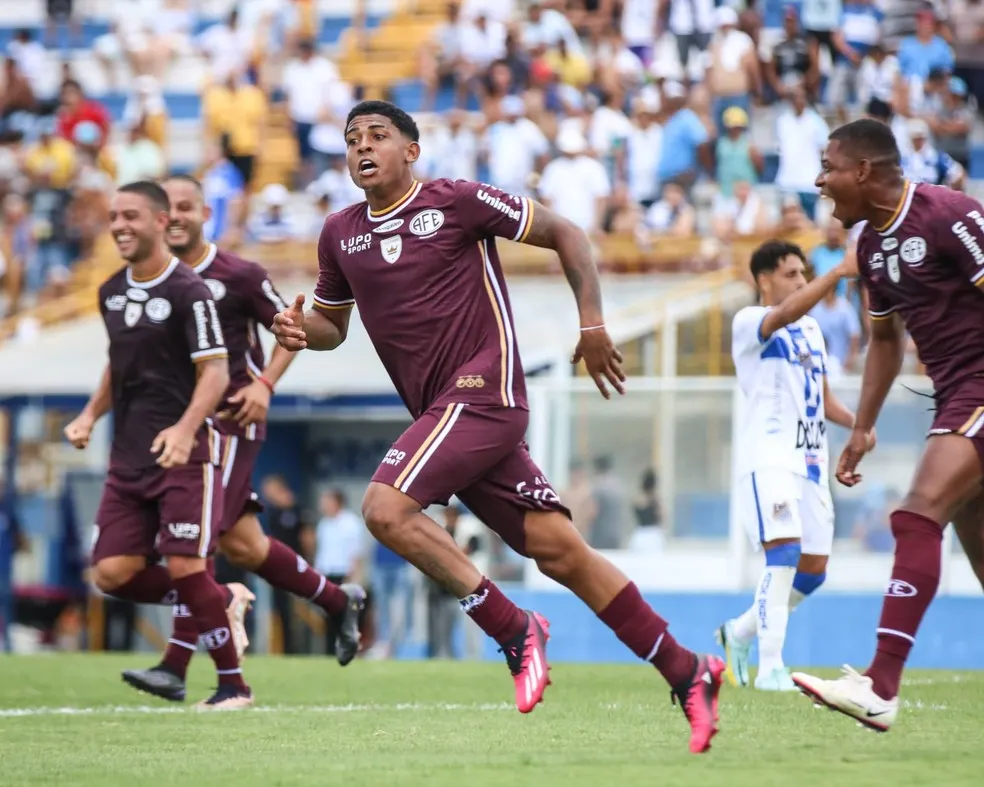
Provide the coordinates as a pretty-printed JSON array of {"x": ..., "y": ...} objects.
[
  {"x": 180, "y": 566},
  {"x": 245, "y": 545}
]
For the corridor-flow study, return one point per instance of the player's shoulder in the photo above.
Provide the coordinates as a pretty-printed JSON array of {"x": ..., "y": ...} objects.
[
  {"x": 352, "y": 218},
  {"x": 235, "y": 267},
  {"x": 116, "y": 283},
  {"x": 935, "y": 203},
  {"x": 749, "y": 315}
]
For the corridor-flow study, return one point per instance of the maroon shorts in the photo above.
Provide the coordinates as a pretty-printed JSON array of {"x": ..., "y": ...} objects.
[
  {"x": 962, "y": 412},
  {"x": 477, "y": 453},
  {"x": 238, "y": 460},
  {"x": 156, "y": 511}
]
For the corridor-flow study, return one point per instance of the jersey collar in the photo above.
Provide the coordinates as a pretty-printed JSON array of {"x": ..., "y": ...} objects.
[
  {"x": 160, "y": 278},
  {"x": 901, "y": 210},
  {"x": 396, "y": 207},
  {"x": 208, "y": 259}
]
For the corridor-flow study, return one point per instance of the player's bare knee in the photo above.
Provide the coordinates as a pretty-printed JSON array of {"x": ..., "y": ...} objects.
[
  {"x": 112, "y": 573},
  {"x": 386, "y": 511},
  {"x": 181, "y": 566},
  {"x": 244, "y": 550},
  {"x": 929, "y": 503},
  {"x": 562, "y": 557},
  {"x": 812, "y": 564}
]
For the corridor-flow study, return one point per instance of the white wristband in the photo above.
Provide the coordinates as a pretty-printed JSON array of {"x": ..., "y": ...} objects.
[{"x": 593, "y": 328}]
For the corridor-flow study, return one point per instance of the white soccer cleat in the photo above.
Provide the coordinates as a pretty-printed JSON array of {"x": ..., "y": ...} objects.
[
  {"x": 852, "y": 695},
  {"x": 242, "y": 600},
  {"x": 775, "y": 680}
]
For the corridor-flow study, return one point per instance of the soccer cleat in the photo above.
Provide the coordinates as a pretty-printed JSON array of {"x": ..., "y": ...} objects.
[
  {"x": 852, "y": 695},
  {"x": 699, "y": 700},
  {"x": 526, "y": 656},
  {"x": 347, "y": 624},
  {"x": 736, "y": 654},
  {"x": 227, "y": 698},
  {"x": 158, "y": 681},
  {"x": 776, "y": 680},
  {"x": 242, "y": 600}
]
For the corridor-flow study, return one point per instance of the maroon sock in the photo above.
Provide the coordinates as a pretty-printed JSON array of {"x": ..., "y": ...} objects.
[
  {"x": 286, "y": 570},
  {"x": 915, "y": 577},
  {"x": 183, "y": 642},
  {"x": 645, "y": 633},
  {"x": 495, "y": 614},
  {"x": 153, "y": 585},
  {"x": 205, "y": 601}
]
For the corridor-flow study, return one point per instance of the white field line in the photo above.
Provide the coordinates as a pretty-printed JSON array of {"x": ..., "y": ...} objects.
[{"x": 443, "y": 707}]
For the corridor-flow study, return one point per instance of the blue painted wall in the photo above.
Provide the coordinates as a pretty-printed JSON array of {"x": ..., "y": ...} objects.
[{"x": 826, "y": 631}]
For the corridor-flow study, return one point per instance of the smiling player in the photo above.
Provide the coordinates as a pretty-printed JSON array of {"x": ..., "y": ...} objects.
[
  {"x": 420, "y": 262},
  {"x": 921, "y": 258}
]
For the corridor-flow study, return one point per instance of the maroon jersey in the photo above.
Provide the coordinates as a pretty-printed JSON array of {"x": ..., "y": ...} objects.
[
  {"x": 928, "y": 266},
  {"x": 429, "y": 286},
  {"x": 158, "y": 330},
  {"x": 246, "y": 299}
]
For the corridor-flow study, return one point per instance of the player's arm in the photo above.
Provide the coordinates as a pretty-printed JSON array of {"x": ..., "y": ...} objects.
[
  {"x": 835, "y": 410},
  {"x": 547, "y": 230},
  {"x": 803, "y": 300},
  {"x": 101, "y": 402},
  {"x": 203, "y": 335}
]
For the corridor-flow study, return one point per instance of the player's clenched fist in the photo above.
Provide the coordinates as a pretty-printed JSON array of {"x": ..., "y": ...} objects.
[
  {"x": 174, "y": 444},
  {"x": 860, "y": 443},
  {"x": 79, "y": 431},
  {"x": 288, "y": 326}
]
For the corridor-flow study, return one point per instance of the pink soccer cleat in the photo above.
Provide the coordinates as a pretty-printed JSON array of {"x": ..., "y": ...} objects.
[
  {"x": 699, "y": 700},
  {"x": 526, "y": 656}
]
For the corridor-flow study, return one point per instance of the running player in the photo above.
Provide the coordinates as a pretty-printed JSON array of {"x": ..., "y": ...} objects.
[
  {"x": 420, "y": 261},
  {"x": 783, "y": 491},
  {"x": 168, "y": 369},
  {"x": 245, "y": 298},
  {"x": 921, "y": 258}
]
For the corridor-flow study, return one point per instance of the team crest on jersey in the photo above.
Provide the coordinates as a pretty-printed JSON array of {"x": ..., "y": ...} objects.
[
  {"x": 892, "y": 266},
  {"x": 132, "y": 314},
  {"x": 913, "y": 251},
  {"x": 217, "y": 288},
  {"x": 158, "y": 309},
  {"x": 427, "y": 222},
  {"x": 137, "y": 295},
  {"x": 391, "y": 248},
  {"x": 116, "y": 303},
  {"x": 781, "y": 512}
]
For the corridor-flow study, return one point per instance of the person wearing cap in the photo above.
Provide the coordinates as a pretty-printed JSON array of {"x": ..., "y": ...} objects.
[
  {"x": 685, "y": 139},
  {"x": 273, "y": 224},
  {"x": 926, "y": 164},
  {"x": 733, "y": 73},
  {"x": 575, "y": 185},
  {"x": 736, "y": 158},
  {"x": 643, "y": 147},
  {"x": 952, "y": 124}
]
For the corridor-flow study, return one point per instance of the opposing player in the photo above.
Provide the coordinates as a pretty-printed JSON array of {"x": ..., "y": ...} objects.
[
  {"x": 245, "y": 298},
  {"x": 168, "y": 369},
  {"x": 783, "y": 489},
  {"x": 921, "y": 259},
  {"x": 420, "y": 261}
]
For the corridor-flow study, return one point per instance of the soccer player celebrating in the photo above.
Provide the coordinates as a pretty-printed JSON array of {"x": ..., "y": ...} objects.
[
  {"x": 245, "y": 297},
  {"x": 420, "y": 261},
  {"x": 783, "y": 490},
  {"x": 168, "y": 369},
  {"x": 921, "y": 258}
]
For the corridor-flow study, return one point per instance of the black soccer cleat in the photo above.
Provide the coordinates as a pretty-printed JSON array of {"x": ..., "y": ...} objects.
[
  {"x": 159, "y": 681},
  {"x": 346, "y": 624},
  {"x": 227, "y": 697}
]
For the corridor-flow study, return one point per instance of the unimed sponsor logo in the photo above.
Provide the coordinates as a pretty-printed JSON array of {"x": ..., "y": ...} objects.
[
  {"x": 969, "y": 241},
  {"x": 498, "y": 204}
]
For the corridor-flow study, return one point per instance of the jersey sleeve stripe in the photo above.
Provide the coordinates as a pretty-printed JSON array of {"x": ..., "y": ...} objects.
[
  {"x": 978, "y": 278},
  {"x": 881, "y": 315},
  {"x": 525, "y": 221},
  {"x": 424, "y": 446},
  {"x": 210, "y": 354},
  {"x": 322, "y": 303}
]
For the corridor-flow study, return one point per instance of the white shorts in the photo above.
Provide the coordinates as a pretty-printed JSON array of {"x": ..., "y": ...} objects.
[{"x": 774, "y": 504}]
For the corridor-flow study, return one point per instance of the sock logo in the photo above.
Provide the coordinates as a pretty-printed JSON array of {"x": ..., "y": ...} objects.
[
  {"x": 301, "y": 565},
  {"x": 216, "y": 638},
  {"x": 763, "y": 600},
  {"x": 900, "y": 589},
  {"x": 468, "y": 603},
  {"x": 171, "y": 597}
]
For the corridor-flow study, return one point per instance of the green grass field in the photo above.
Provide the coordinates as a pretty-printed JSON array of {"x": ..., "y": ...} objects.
[{"x": 69, "y": 720}]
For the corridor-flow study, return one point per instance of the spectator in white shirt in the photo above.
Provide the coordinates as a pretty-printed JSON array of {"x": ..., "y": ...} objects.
[
  {"x": 515, "y": 146},
  {"x": 228, "y": 47},
  {"x": 878, "y": 77},
  {"x": 500, "y": 11},
  {"x": 743, "y": 214},
  {"x": 452, "y": 150},
  {"x": 802, "y": 135},
  {"x": 309, "y": 81},
  {"x": 643, "y": 149},
  {"x": 575, "y": 185},
  {"x": 639, "y": 25},
  {"x": 441, "y": 57},
  {"x": 672, "y": 216},
  {"x": 609, "y": 129},
  {"x": 691, "y": 22},
  {"x": 30, "y": 57},
  {"x": 547, "y": 27}
]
